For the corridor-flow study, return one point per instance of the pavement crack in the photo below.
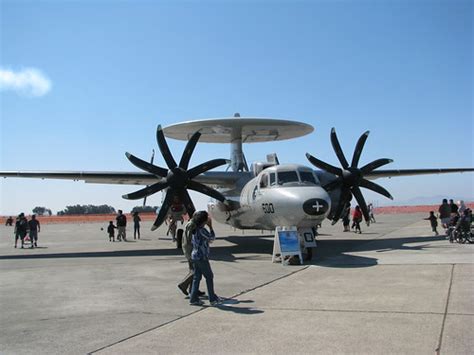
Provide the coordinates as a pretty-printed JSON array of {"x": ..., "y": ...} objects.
[
  {"x": 195, "y": 312},
  {"x": 349, "y": 311},
  {"x": 145, "y": 331},
  {"x": 440, "y": 341}
]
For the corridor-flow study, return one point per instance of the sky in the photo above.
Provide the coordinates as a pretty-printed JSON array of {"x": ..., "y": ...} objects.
[{"x": 83, "y": 82}]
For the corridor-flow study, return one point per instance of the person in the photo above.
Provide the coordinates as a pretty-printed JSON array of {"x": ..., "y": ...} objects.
[
  {"x": 9, "y": 221},
  {"x": 111, "y": 230},
  {"x": 200, "y": 257},
  {"x": 356, "y": 219},
  {"x": 453, "y": 206},
  {"x": 463, "y": 225},
  {"x": 444, "y": 213},
  {"x": 136, "y": 225},
  {"x": 371, "y": 212},
  {"x": 462, "y": 207},
  {"x": 121, "y": 226},
  {"x": 187, "y": 247},
  {"x": 176, "y": 214},
  {"x": 35, "y": 228},
  {"x": 452, "y": 227},
  {"x": 433, "y": 222},
  {"x": 21, "y": 228},
  {"x": 346, "y": 217}
]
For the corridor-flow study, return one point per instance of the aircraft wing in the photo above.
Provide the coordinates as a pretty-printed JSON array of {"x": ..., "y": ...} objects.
[
  {"x": 214, "y": 178},
  {"x": 412, "y": 172}
]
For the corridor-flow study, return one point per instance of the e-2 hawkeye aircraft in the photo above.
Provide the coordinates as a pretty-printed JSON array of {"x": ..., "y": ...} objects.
[{"x": 265, "y": 196}]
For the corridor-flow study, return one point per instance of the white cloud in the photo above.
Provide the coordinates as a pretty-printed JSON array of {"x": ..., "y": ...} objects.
[{"x": 27, "y": 82}]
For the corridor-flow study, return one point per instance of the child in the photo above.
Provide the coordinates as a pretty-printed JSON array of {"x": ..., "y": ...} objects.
[
  {"x": 356, "y": 219},
  {"x": 111, "y": 230},
  {"x": 433, "y": 221}
]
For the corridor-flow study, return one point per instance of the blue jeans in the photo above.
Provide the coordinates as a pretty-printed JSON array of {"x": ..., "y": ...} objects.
[{"x": 202, "y": 267}]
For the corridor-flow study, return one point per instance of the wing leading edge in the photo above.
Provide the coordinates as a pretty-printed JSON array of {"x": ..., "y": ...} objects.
[
  {"x": 376, "y": 174},
  {"x": 219, "y": 179}
]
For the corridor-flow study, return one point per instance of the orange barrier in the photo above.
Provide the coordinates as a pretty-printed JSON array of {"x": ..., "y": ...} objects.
[
  {"x": 89, "y": 218},
  {"x": 412, "y": 209},
  {"x": 150, "y": 216}
]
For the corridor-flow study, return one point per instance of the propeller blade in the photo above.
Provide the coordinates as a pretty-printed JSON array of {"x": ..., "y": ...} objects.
[
  {"x": 324, "y": 166},
  {"x": 338, "y": 212},
  {"x": 201, "y": 168},
  {"x": 147, "y": 191},
  {"x": 163, "y": 210},
  {"x": 375, "y": 187},
  {"x": 188, "y": 203},
  {"x": 139, "y": 163},
  {"x": 165, "y": 150},
  {"x": 374, "y": 165},
  {"x": 197, "y": 186},
  {"x": 358, "y": 149},
  {"x": 333, "y": 184},
  {"x": 188, "y": 151},
  {"x": 337, "y": 148},
  {"x": 361, "y": 201}
]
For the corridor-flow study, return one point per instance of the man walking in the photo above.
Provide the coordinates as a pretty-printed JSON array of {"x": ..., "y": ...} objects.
[
  {"x": 35, "y": 228},
  {"x": 121, "y": 226},
  {"x": 21, "y": 228},
  {"x": 200, "y": 256},
  {"x": 444, "y": 213},
  {"x": 187, "y": 248}
]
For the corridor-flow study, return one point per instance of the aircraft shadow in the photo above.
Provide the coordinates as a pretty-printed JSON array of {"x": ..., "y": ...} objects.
[
  {"x": 336, "y": 253},
  {"x": 260, "y": 247},
  {"x": 240, "y": 245}
]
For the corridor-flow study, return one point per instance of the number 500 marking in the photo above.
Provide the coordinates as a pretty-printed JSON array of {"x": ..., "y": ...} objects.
[{"x": 268, "y": 208}]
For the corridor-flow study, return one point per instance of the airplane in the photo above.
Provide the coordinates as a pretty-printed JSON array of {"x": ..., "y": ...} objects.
[{"x": 265, "y": 195}]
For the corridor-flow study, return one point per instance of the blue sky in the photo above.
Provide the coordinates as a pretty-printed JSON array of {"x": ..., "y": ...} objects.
[{"x": 401, "y": 69}]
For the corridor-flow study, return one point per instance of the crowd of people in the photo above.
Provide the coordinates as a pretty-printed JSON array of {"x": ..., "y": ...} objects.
[
  {"x": 456, "y": 220},
  {"x": 121, "y": 226},
  {"x": 25, "y": 230},
  {"x": 198, "y": 235},
  {"x": 356, "y": 217}
]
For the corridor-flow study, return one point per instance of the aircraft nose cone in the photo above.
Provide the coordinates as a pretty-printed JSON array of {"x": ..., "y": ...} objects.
[{"x": 315, "y": 207}]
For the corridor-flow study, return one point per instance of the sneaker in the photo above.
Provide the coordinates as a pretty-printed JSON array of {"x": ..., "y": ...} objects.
[
  {"x": 183, "y": 289},
  {"x": 201, "y": 293},
  {"x": 197, "y": 303},
  {"x": 217, "y": 301}
]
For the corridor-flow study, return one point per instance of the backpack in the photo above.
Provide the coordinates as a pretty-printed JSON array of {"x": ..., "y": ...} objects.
[{"x": 187, "y": 245}]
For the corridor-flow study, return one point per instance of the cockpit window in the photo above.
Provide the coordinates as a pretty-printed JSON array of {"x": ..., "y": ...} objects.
[
  {"x": 264, "y": 181},
  {"x": 272, "y": 179},
  {"x": 285, "y": 177},
  {"x": 307, "y": 176}
]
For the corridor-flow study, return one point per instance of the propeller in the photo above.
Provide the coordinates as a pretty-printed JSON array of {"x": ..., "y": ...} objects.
[
  {"x": 350, "y": 178},
  {"x": 177, "y": 179}
]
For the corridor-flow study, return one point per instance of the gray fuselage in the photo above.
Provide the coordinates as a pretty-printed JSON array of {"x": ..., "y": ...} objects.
[{"x": 281, "y": 195}]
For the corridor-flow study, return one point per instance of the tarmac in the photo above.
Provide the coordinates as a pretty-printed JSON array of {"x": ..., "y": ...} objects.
[{"x": 395, "y": 289}]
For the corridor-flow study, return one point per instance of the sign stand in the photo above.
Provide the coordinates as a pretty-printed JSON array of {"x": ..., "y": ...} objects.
[
  {"x": 307, "y": 237},
  {"x": 286, "y": 243}
]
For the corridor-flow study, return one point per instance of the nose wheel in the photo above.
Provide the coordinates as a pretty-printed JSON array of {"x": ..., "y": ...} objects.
[{"x": 308, "y": 254}]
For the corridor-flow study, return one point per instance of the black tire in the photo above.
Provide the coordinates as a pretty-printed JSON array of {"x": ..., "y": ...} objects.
[{"x": 179, "y": 238}]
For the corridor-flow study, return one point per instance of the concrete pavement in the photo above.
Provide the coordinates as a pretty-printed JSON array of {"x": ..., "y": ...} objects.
[{"x": 393, "y": 289}]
